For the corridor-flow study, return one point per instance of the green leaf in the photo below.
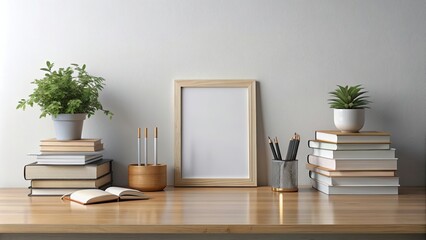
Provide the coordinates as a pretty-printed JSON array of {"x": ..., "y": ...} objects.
[{"x": 346, "y": 97}]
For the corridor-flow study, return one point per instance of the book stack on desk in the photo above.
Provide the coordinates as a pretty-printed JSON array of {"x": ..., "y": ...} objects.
[
  {"x": 352, "y": 163},
  {"x": 71, "y": 152},
  {"x": 65, "y": 166}
]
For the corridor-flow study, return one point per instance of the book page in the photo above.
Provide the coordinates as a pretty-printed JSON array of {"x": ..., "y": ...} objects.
[
  {"x": 126, "y": 193},
  {"x": 87, "y": 196},
  {"x": 119, "y": 191}
]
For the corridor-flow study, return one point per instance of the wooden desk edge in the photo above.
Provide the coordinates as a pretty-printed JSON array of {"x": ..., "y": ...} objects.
[{"x": 218, "y": 229}]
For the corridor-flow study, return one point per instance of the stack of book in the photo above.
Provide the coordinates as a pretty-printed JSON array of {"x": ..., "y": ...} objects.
[
  {"x": 353, "y": 163},
  {"x": 66, "y": 166},
  {"x": 73, "y": 152}
]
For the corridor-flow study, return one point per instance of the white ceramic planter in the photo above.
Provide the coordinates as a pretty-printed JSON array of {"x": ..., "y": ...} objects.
[
  {"x": 349, "y": 120},
  {"x": 69, "y": 126}
]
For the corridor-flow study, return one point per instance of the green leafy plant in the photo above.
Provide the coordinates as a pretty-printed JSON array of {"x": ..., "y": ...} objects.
[
  {"x": 66, "y": 90},
  {"x": 348, "y": 97}
]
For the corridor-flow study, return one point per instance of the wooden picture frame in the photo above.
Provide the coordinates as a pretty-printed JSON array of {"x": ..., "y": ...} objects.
[{"x": 215, "y": 133}]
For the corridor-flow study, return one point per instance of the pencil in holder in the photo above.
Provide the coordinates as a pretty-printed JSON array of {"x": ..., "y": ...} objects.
[
  {"x": 284, "y": 175},
  {"x": 148, "y": 178}
]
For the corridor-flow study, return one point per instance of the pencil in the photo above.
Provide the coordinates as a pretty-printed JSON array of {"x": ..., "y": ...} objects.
[
  {"x": 277, "y": 147},
  {"x": 272, "y": 148},
  {"x": 289, "y": 150},
  {"x": 296, "y": 140}
]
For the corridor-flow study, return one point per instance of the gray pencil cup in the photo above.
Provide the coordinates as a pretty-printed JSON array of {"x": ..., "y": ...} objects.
[{"x": 284, "y": 175}]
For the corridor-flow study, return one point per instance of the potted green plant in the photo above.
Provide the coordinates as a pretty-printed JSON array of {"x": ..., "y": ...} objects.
[
  {"x": 68, "y": 95},
  {"x": 349, "y": 103}
]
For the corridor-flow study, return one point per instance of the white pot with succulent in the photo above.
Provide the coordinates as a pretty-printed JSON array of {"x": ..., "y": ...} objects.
[
  {"x": 349, "y": 105},
  {"x": 69, "y": 95}
]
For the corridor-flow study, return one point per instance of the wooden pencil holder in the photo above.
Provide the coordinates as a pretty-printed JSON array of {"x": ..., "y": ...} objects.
[{"x": 148, "y": 178}]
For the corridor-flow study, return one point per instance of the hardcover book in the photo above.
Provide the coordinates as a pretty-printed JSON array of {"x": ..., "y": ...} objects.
[
  {"x": 354, "y": 153},
  {"x": 68, "y": 160},
  {"x": 327, "y": 189},
  {"x": 90, "y": 171},
  {"x": 81, "y": 142},
  {"x": 360, "y": 137},
  {"x": 350, "y": 173},
  {"x": 65, "y": 154},
  {"x": 347, "y": 146},
  {"x": 51, "y": 191},
  {"x": 354, "y": 163},
  {"x": 58, "y": 191},
  {"x": 95, "y": 148},
  {"x": 355, "y": 181},
  {"x": 72, "y": 183}
]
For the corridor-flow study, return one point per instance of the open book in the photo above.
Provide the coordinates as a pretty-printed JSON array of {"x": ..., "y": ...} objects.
[{"x": 89, "y": 196}]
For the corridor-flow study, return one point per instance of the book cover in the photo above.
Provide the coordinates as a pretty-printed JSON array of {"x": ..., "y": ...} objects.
[
  {"x": 65, "y": 154},
  {"x": 51, "y": 192},
  {"x": 376, "y": 190},
  {"x": 390, "y": 153},
  {"x": 59, "y": 191},
  {"x": 69, "y": 161},
  {"x": 350, "y": 173},
  {"x": 354, "y": 163},
  {"x": 90, "y": 171},
  {"x": 81, "y": 142},
  {"x": 90, "y": 196},
  {"x": 354, "y": 181},
  {"x": 348, "y": 146},
  {"x": 72, "y": 183},
  {"x": 360, "y": 137},
  {"x": 95, "y": 148}
]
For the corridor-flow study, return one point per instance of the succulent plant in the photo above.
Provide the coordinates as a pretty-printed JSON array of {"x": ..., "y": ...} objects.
[{"x": 348, "y": 97}]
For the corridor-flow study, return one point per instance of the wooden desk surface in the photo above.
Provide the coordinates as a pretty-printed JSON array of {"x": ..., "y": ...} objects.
[{"x": 219, "y": 210}]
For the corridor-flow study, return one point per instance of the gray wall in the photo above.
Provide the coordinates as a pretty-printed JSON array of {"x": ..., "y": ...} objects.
[{"x": 297, "y": 50}]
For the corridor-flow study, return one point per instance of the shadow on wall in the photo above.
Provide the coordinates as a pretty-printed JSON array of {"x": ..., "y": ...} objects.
[{"x": 262, "y": 163}]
